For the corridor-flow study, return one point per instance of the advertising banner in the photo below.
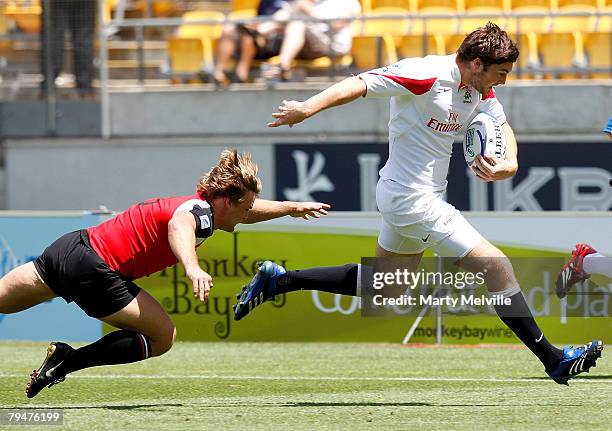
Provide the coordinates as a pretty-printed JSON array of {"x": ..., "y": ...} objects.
[
  {"x": 343, "y": 238},
  {"x": 551, "y": 177}
]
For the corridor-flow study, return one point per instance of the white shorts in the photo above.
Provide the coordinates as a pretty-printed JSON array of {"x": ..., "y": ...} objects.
[{"x": 415, "y": 220}]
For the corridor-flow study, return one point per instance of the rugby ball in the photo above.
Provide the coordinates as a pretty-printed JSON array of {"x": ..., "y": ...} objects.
[{"x": 484, "y": 136}]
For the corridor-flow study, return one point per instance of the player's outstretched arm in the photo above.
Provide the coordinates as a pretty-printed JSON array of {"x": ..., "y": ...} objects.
[
  {"x": 489, "y": 168},
  {"x": 292, "y": 112},
  {"x": 267, "y": 210},
  {"x": 181, "y": 235}
]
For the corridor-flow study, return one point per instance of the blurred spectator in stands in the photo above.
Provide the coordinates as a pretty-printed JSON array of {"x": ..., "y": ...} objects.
[
  {"x": 256, "y": 41},
  {"x": 309, "y": 40},
  {"x": 79, "y": 17},
  {"x": 608, "y": 129}
]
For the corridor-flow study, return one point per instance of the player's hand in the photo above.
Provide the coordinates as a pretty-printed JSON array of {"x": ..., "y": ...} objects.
[
  {"x": 490, "y": 168},
  {"x": 309, "y": 209},
  {"x": 290, "y": 112},
  {"x": 202, "y": 282}
]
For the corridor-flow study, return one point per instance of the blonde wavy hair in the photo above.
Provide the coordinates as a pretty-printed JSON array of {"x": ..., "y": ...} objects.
[{"x": 234, "y": 176}]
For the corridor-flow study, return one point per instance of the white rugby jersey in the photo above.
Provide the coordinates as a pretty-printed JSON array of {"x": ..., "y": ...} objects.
[{"x": 429, "y": 110}]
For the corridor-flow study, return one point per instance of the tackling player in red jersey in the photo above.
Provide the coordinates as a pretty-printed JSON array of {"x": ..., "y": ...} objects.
[{"x": 96, "y": 267}]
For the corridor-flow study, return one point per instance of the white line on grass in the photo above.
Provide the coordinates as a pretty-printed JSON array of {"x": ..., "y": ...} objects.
[{"x": 308, "y": 378}]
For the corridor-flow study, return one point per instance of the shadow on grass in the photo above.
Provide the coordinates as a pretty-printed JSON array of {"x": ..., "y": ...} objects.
[
  {"x": 413, "y": 404},
  {"x": 355, "y": 404},
  {"x": 580, "y": 377},
  {"x": 150, "y": 407}
]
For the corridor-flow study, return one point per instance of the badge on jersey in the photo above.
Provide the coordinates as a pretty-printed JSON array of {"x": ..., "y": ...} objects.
[
  {"x": 467, "y": 97},
  {"x": 204, "y": 221}
]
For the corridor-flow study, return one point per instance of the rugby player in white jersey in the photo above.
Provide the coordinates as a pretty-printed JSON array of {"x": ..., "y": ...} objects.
[{"x": 431, "y": 99}]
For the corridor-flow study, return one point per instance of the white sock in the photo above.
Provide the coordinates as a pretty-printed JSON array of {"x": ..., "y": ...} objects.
[{"x": 597, "y": 263}]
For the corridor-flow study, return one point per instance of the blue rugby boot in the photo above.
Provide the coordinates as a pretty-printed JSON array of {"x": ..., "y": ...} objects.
[
  {"x": 261, "y": 288},
  {"x": 576, "y": 360}
]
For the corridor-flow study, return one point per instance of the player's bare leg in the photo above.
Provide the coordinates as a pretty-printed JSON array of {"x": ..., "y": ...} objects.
[
  {"x": 411, "y": 261},
  {"x": 560, "y": 364},
  {"x": 146, "y": 316},
  {"x": 145, "y": 330},
  {"x": 497, "y": 268},
  {"x": 23, "y": 288}
]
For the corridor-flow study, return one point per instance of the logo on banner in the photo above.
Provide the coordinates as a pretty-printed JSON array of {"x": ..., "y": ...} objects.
[
  {"x": 8, "y": 260},
  {"x": 309, "y": 180},
  {"x": 337, "y": 307},
  {"x": 551, "y": 177}
]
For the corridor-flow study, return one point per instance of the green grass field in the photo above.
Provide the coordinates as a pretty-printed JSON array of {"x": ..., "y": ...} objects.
[{"x": 315, "y": 386}]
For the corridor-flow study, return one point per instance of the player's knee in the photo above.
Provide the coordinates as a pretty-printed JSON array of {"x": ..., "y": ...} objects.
[
  {"x": 164, "y": 341},
  {"x": 499, "y": 272},
  {"x": 5, "y": 306}
]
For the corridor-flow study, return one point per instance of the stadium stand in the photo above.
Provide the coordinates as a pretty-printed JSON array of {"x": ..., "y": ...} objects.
[
  {"x": 191, "y": 50},
  {"x": 562, "y": 52},
  {"x": 25, "y": 14},
  {"x": 370, "y": 52},
  {"x": 598, "y": 51},
  {"x": 557, "y": 38}
]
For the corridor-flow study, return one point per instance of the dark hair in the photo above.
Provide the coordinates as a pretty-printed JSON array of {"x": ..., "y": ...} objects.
[
  {"x": 234, "y": 176},
  {"x": 489, "y": 43}
]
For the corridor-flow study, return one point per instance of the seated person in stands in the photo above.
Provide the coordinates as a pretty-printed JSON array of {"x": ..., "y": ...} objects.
[
  {"x": 309, "y": 40},
  {"x": 259, "y": 41}
]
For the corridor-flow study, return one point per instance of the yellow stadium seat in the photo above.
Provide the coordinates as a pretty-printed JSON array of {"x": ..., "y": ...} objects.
[
  {"x": 414, "y": 45},
  {"x": 456, "y": 5},
  {"x": 598, "y": 49},
  {"x": 562, "y": 50},
  {"x": 186, "y": 56},
  {"x": 452, "y": 43},
  {"x": 25, "y": 15},
  {"x": 579, "y": 3},
  {"x": 4, "y": 28},
  {"x": 520, "y": 4},
  {"x": 366, "y": 6},
  {"x": 201, "y": 30},
  {"x": 528, "y": 59},
  {"x": 370, "y": 52},
  {"x": 438, "y": 25},
  {"x": 432, "y": 23},
  {"x": 471, "y": 5},
  {"x": 244, "y": 5},
  {"x": 163, "y": 8},
  {"x": 493, "y": 10},
  {"x": 604, "y": 23},
  {"x": 563, "y": 24},
  {"x": 207, "y": 33},
  {"x": 530, "y": 24},
  {"x": 468, "y": 23},
  {"x": 408, "y": 5},
  {"x": 242, "y": 14},
  {"x": 535, "y": 24},
  {"x": 377, "y": 27}
]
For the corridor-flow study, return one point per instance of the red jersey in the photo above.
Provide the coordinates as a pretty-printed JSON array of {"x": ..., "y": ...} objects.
[{"x": 135, "y": 242}]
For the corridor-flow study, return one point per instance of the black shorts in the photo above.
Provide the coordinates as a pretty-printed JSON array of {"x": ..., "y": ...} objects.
[{"x": 74, "y": 271}]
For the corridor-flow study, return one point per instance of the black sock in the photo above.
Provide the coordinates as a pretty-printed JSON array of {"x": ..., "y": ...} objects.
[
  {"x": 518, "y": 317},
  {"x": 332, "y": 279},
  {"x": 119, "y": 347}
]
